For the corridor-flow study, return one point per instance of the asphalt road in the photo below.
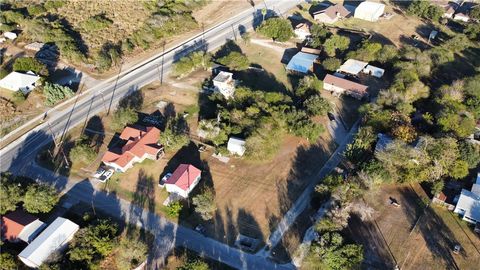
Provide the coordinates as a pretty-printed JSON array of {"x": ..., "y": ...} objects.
[{"x": 18, "y": 157}]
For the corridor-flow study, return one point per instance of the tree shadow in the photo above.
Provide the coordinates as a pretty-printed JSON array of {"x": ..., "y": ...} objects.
[
  {"x": 95, "y": 132},
  {"x": 461, "y": 67},
  {"x": 195, "y": 46},
  {"x": 260, "y": 79},
  {"x": 228, "y": 47},
  {"x": 143, "y": 198},
  {"x": 133, "y": 99},
  {"x": 207, "y": 107}
]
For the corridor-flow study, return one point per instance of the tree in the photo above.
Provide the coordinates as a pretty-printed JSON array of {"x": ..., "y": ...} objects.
[
  {"x": 173, "y": 209},
  {"x": 131, "y": 253},
  {"x": 40, "y": 198},
  {"x": 470, "y": 153},
  {"x": 194, "y": 265},
  {"x": 25, "y": 64},
  {"x": 123, "y": 117},
  {"x": 235, "y": 61},
  {"x": 316, "y": 105},
  {"x": 434, "y": 12},
  {"x": 10, "y": 195},
  {"x": 319, "y": 33},
  {"x": 472, "y": 31},
  {"x": 369, "y": 51},
  {"x": 54, "y": 93},
  {"x": 7, "y": 261},
  {"x": 35, "y": 10},
  {"x": 437, "y": 187},
  {"x": 331, "y": 64},
  {"x": 18, "y": 97},
  {"x": 388, "y": 53},
  {"x": 174, "y": 136},
  {"x": 459, "y": 169},
  {"x": 405, "y": 133},
  {"x": 191, "y": 62},
  {"x": 82, "y": 153},
  {"x": 277, "y": 29},
  {"x": 93, "y": 243},
  {"x": 205, "y": 204},
  {"x": 335, "y": 43},
  {"x": 475, "y": 12}
]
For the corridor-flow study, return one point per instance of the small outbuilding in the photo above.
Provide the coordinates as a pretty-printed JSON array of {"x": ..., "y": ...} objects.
[
  {"x": 374, "y": 71},
  {"x": 301, "y": 62},
  {"x": 352, "y": 67},
  {"x": 369, "y": 11},
  {"x": 183, "y": 180},
  {"x": 54, "y": 238},
  {"x": 302, "y": 30},
  {"x": 16, "y": 81},
  {"x": 224, "y": 84},
  {"x": 10, "y": 35},
  {"x": 20, "y": 226},
  {"x": 236, "y": 146}
]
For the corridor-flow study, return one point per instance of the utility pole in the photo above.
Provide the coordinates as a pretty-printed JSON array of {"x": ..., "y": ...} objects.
[{"x": 115, "y": 87}]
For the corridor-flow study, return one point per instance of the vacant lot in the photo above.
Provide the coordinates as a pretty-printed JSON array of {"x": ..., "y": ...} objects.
[{"x": 414, "y": 236}]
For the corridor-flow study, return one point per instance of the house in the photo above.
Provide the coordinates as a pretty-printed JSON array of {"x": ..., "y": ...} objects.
[
  {"x": 183, "y": 180},
  {"x": 140, "y": 143},
  {"x": 20, "y": 226},
  {"x": 461, "y": 17},
  {"x": 369, "y": 11},
  {"x": 16, "y": 81},
  {"x": 54, "y": 238},
  {"x": 352, "y": 67},
  {"x": 224, "y": 84},
  {"x": 341, "y": 86},
  {"x": 302, "y": 30},
  {"x": 449, "y": 10},
  {"x": 10, "y": 35},
  {"x": 468, "y": 205},
  {"x": 236, "y": 146},
  {"x": 34, "y": 46},
  {"x": 463, "y": 12},
  {"x": 374, "y": 71},
  {"x": 331, "y": 14},
  {"x": 301, "y": 62}
]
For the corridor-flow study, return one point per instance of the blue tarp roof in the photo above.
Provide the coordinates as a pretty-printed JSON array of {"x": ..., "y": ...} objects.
[{"x": 301, "y": 62}]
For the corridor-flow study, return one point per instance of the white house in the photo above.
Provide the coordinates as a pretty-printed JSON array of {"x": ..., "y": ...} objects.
[
  {"x": 369, "y": 11},
  {"x": 468, "y": 205},
  {"x": 16, "y": 81},
  {"x": 236, "y": 146},
  {"x": 183, "y": 180},
  {"x": 224, "y": 84},
  {"x": 54, "y": 238},
  {"x": 10, "y": 35},
  {"x": 374, "y": 71}
]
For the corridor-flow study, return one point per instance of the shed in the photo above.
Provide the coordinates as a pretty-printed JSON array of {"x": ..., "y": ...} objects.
[
  {"x": 374, "y": 71},
  {"x": 369, "y": 11},
  {"x": 16, "y": 81},
  {"x": 352, "y": 66},
  {"x": 10, "y": 35},
  {"x": 236, "y": 146},
  {"x": 54, "y": 238},
  {"x": 183, "y": 180},
  {"x": 18, "y": 225},
  {"x": 301, "y": 62}
]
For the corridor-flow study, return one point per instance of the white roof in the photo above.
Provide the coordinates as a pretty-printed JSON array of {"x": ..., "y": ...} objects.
[
  {"x": 30, "y": 231},
  {"x": 470, "y": 202},
  {"x": 375, "y": 71},
  {"x": 223, "y": 76},
  {"x": 236, "y": 146},
  {"x": 51, "y": 239},
  {"x": 10, "y": 35},
  {"x": 369, "y": 11},
  {"x": 352, "y": 66},
  {"x": 19, "y": 81}
]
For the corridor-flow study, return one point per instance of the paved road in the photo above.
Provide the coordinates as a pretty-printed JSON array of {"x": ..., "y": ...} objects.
[{"x": 18, "y": 157}]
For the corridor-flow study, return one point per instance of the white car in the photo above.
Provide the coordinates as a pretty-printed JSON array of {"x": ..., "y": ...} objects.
[
  {"x": 99, "y": 173},
  {"x": 106, "y": 175},
  {"x": 164, "y": 179}
]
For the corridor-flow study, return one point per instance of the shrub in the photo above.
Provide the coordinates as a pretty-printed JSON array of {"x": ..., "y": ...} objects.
[
  {"x": 35, "y": 10},
  {"x": 54, "y": 93},
  {"x": 173, "y": 209},
  {"x": 316, "y": 105},
  {"x": 191, "y": 62},
  {"x": 331, "y": 64},
  {"x": 10, "y": 196},
  {"x": 97, "y": 22},
  {"x": 131, "y": 253},
  {"x": 235, "y": 61},
  {"x": 24, "y": 64},
  {"x": 82, "y": 153},
  {"x": 18, "y": 97}
]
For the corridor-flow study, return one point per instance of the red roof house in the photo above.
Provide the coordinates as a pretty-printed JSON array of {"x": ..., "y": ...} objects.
[
  {"x": 18, "y": 225},
  {"x": 141, "y": 143},
  {"x": 183, "y": 180}
]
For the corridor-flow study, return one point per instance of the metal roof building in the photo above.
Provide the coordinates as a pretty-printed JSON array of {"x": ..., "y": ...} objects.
[
  {"x": 369, "y": 11},
  {"x": 301, "y": 62},
  {"x": 352, "y": 66},
  {"x": 53, "y": 238},
  {"x": 236, "y": 146}
]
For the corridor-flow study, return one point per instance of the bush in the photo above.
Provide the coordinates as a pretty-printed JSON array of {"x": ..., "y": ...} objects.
[
  {"x": 97, "y": 22},
  {"x": 54, "y": 93},
  {"x": 24, "y": 64},
  {"x": 235, "y": 61},
  {"x": 173, "y": 209},
  {"x": 18, "y": 97},
  {"x": 316, "y": 105},
  {"x": 277, "y": 29},
  {"x": 123, "y": 117},
  {"x": 205, "y": 204},
  {"x": 40, "y": 198},
  {"x": 82, "y": 153},
  {"x": 35, "y": 10},
  {"x": 131, "y": 253},
  {"x": 331, "y": 64},
  {"x": 192, "y": 62},
  {"x": 7, "y": 261}
]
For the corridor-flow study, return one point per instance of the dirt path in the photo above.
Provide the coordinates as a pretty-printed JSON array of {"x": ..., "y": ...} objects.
[{"x": 279, "y": 47}]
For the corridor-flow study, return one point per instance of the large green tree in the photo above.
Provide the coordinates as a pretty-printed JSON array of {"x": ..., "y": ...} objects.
[
  {"x": 10, "y": 195},
  {"x": 123, "y": 117},
  {"x": 277, "y": 29},
  {"x": 54, "y": 93},
  {"x": 131, "y": 252},
  {"x": 40, "y": 198},
  {"x": 335, "y": 44},
  {"x": 235, "y": 61},
  {"x": 24, "y": 64},
  {"x": 205, "y": 204}
]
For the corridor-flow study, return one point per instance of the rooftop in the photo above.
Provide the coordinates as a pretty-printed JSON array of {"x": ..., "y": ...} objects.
[
  {"x": 14, "y": 222},
  {"x": 345, "y": 84},
  {"x": 470, "y": 202},
  {"x": 184, "y": 176},
  {"x": 352, "y": 66},
  {"x": 301, "y": 62},
  {"x": 223, "y": 76}
]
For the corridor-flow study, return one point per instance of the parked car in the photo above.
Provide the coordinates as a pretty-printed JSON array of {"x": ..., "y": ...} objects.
[
  {"x": 99, "y": 173},
  {"x": 200, "y": 229},
  {"x": 456, "y": 249},
  {"x": 106, "y": 175},
  {"x": 164, "y": 179}
]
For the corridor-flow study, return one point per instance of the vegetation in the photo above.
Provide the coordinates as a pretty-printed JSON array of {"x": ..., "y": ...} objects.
[
  {"x": 277, "y": 29},
  {"x": 10, "y": 195},
  {"x": 123, "y": 116},
  {"x": 205, "y": 204},
  {"x": 40, "y": 198},
  {"x": 175, "y": 135},
  {"x": 18, "y": 97},
  {"x": 425, "y": 9},
  {"x": 82, "y": 152},
  {"x": 131, "y": 253},
  {"x": 335, "y": 44},
  {"x": 194, "y": 265},
  {"x": 7, "y": 261},
  {"x": 319, "y": 34},
  {"x": 192, "y": 62},
  {"x": 174, "y": 208},
  {"x": 97, "y": 22},
  {"x": 331, "y": 64},
  {"x": 93, "y": 243},
  {"x": 235, "y": 61},
  {"x": 25, "y": 64},
  {"x": 54, "y": 93}
]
